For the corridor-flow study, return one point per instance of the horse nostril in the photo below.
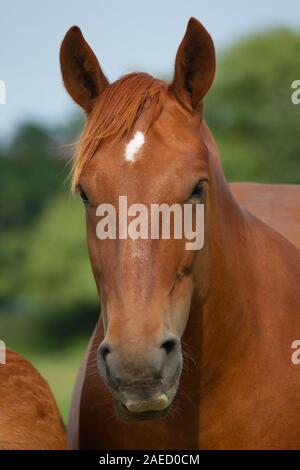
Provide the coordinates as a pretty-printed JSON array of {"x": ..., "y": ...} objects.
[
  {"x": 169, "y": 345},
  {"x": 104, "y": 351}
]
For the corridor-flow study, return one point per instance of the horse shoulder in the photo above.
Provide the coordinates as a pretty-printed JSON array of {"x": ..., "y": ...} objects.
[{"x": 25, "y": 397}]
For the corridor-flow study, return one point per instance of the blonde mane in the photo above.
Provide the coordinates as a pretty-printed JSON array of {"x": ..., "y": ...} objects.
[{"x": 116, "y": 112}]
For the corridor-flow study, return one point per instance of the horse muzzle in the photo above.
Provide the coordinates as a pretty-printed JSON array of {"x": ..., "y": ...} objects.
[{"x": 143, "y": 385}]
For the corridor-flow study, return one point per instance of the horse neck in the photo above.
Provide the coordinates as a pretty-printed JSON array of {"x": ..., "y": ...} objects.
[{"x": 220, "y": 328}]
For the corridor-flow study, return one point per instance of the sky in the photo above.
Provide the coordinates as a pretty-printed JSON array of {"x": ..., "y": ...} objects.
[{"x": 126, "y": 35}]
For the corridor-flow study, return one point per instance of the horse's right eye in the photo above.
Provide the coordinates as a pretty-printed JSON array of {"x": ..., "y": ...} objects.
[{"x": 83, "y": 196}]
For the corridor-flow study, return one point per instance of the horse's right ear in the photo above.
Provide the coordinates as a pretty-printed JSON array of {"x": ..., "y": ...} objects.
[{"x": 82, "y": 75}]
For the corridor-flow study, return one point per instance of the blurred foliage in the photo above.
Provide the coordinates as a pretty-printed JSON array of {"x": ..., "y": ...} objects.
[
  {"x": 47, "y": 294},
  {"x": 29, "y": 171},
  {"x": 250, "y": 111}
]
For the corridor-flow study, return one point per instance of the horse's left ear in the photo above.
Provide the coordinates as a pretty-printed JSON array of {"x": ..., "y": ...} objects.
[{"x": 195, "y": 65}]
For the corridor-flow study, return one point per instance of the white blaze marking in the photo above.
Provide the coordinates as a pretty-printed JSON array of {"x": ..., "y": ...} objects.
[{"x": 134, "y": 146}]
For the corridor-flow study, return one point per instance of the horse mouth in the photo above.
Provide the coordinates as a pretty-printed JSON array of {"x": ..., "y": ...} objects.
[{"x": 126, "y": 415}]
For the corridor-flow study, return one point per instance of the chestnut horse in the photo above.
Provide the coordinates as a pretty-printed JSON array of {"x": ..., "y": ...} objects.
[
  {"x": 232, "y": 309},
  {"x": 29, "y": 417}
]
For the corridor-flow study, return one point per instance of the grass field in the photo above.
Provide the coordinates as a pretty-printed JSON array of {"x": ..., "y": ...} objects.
[{"x": 60, "y": 370}]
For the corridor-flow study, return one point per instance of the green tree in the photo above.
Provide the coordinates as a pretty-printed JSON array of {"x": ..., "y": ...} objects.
[
  {"x": 250, "y": 111},
  {"x": 30, "y": 171}
]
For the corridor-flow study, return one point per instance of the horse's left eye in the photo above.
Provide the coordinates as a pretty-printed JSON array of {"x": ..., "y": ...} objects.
[{"x": 197, "y": 192}]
